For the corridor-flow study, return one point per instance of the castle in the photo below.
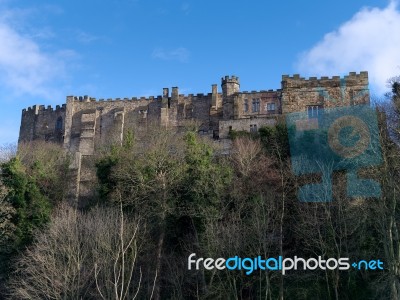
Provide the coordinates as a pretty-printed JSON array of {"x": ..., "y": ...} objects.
[{"x": 84, "y": 123}]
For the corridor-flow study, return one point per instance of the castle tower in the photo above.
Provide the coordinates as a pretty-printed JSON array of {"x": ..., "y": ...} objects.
[{"x": 230, "y": 86}]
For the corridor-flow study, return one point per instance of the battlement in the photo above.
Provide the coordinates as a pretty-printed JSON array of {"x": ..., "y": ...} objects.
[
  {"x": 85, "y": 98},
  {"x": 195, "y": 97},
  {"x": 35, "y": 109},
  {"x": 352, "y": 79},
  {"x": 352, "y": 75},
  {"x": 227, "y": 79},
  {"x": 148, "y": 99},
  {"x": 92, "y": 99},
  {"x": 261, "y": 92},
  {"x": 230, "y": 86}
]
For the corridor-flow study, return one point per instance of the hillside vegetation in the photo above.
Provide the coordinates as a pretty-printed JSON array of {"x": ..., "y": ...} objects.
[{"x": 161, "y": 200}]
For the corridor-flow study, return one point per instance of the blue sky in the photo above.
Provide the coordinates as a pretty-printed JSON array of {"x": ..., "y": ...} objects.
[{"x": 125, "y": 48}]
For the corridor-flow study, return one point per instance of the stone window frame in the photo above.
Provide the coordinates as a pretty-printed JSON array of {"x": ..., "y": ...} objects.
[
  {"x": 314, "y": 111},
  {"x": 59, "y": 123},
  {"x": 246, "y": 105},
  {"x": 256, "y": 105},
  {"x": 269, "y": 105},
  {"x": 253, "y": 128}
]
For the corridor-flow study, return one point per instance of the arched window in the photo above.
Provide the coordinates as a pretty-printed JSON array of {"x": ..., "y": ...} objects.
[{"x": 59, "y": 123}]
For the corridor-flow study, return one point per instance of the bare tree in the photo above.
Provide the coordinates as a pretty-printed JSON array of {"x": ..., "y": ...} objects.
[
  {"x": 79, "y": 256},
  {"x": 7, "y": 151},
  {"x": 387, "y": 215},
  {"x": 146, "y": 176},
  {"x": 114, "y": 267},
  {"x": 246, "y": 225},
  {"x": 246, "y": 154},
  {"x": 51, "y": 268}
]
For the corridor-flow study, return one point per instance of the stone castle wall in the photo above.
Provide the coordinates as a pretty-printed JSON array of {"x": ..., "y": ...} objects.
[
  {"x": 298, "y": 92},
  {"x": 40, "y": 123},
  {"x": 84, "y": 123}
]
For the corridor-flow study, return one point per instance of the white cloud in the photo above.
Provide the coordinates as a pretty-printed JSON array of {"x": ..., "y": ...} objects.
[
  {"x": 24, "y": 67},
  {"x": 369, "y": 41},
  {"x": 179, "y": 54}
]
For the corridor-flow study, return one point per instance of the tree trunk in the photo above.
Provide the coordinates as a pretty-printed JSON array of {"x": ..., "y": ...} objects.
[{"x": 157, "y": 287}]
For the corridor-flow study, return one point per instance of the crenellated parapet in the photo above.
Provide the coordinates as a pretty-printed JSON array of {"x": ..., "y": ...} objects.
[
  {"x": 185, "y": 97},
  {"x": 36, "y": 109},
  {"x": 296, "y": 81},
  {"x": 194, "y": 97},
  {"x": 230, "y": 79},
  {"x": 270, "y": 91},
  {"x": 92, "y": 99}
]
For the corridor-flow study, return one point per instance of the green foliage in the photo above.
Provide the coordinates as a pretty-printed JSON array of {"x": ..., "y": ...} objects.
[
  {"x": 103, "y": 170},
  {"x": 169, "y": 169},
  {"x": 129, "y": 140},
  {"x": 206, "y": 178},
  {"x": 105, "y": 164},
  {"x": 275, "y": 140},
  {"x": 31, "y": 205},
  {"x": 189, "y": 199},
  {"x": 31, "y": 182},
  {"x": 7, "y": 229},
  {"x": 47, "y": 165}
]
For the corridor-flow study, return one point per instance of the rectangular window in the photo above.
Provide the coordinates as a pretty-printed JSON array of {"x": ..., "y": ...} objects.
[
  {"x": 246, "y": 105},
  {"x": 270, "y": 107},
  {"x": 253, "y": 128},
  {"x": 314, "y": 111},
  {"x": 256, "y": 105}
]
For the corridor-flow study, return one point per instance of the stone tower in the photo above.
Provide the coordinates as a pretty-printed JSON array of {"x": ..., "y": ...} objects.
[{"x": 230, "y": 87}]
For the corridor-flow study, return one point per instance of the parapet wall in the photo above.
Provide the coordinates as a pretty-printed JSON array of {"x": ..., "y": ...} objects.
[
  {"x": 312, "y": 82},
  {"x": 42, "y": 109},
  {"x": 182, "y": 97},
  {"x": 261, "y": 91},
  {"x": 92, "y": 99},
  {"x": 228, "y": 79}
]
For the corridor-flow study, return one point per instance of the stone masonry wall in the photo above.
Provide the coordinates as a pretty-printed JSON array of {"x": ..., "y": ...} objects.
[
  {"x": 243, "y": 125},
  {"x": 42, "y": 123},
  {"x": 84, "y": 124},
  {"x": 298, "y": 92}
]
